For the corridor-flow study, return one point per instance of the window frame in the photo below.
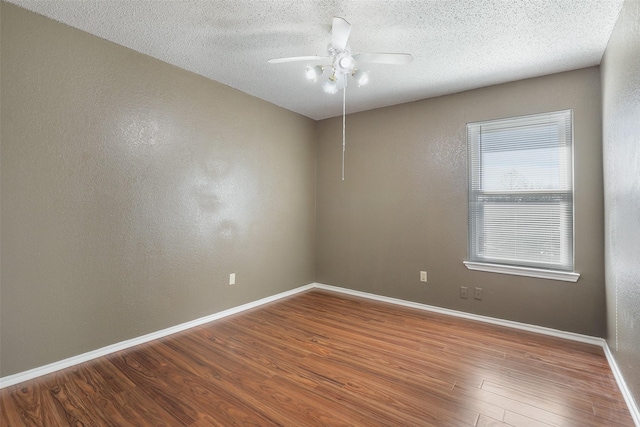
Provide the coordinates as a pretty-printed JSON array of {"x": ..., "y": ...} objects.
[{"x": 530, "y": 268}]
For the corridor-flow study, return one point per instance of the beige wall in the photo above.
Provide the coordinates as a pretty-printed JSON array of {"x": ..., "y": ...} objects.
[
  {"x": 403, "y": 205},
  {"x": 621, "y": 142},
  {"x": 131, "y": 189}
]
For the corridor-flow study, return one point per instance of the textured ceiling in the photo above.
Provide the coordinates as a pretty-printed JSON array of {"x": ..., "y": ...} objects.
[{"x": 457, "y": 45}]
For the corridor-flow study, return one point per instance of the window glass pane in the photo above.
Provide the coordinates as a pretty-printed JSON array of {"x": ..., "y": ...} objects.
[
  {"x": 530, "y": 231},
  {"x": 531, "y": 169}
]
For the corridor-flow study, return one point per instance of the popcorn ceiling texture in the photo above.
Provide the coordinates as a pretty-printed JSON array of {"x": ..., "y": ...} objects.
[{"x": 457, "y": 45}]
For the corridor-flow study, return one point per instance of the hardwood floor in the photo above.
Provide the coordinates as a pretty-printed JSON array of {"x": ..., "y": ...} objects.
[{"x": 321, "y": 358}]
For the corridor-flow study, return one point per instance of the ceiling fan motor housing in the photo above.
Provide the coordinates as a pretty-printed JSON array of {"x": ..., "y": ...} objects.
[{"x": 343, "y": 62}]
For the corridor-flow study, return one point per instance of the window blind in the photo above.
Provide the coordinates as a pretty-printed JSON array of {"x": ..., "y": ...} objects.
[{"x": 521, "y": 191}]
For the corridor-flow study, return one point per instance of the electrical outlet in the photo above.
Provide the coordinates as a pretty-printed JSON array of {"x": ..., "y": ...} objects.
[
  {"x": 232, "y": 279},
  {"x": 478, "y": 294},
  {"x": 464, "y": 292},
  {"x": 423, "y": 276}
]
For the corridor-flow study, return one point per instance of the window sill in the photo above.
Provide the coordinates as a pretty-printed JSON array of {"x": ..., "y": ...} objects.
[{"x": 565, "y": 276}]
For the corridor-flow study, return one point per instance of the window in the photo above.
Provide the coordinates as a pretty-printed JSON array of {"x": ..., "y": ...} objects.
[{"x": 521, "y": 196}]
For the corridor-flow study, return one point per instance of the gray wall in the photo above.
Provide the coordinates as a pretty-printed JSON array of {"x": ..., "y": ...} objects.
[
  {"x": 131, "y": 189},
  {"x": 621, "y": 143},
  {"x": 403, "y": 205}
]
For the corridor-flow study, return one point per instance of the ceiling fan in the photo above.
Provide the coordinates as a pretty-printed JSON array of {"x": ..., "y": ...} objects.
[
  {"x": 342, "y": 61},
  {"x": 343, "y": 64}
]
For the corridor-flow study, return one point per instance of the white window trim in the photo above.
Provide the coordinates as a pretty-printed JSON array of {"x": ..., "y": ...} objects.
[
  {"x": 527, "y": 271},
  {"x": 565, "y": 276}
]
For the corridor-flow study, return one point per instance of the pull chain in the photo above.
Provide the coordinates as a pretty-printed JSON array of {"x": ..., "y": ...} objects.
[{"x": 344, "y": 114}]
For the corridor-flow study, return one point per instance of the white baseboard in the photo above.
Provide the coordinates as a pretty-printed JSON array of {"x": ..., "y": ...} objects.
[
  {"x": 85, "y": 357},
  {"x": 622, "y": 384},
  {"x": 508, "y": 323}
]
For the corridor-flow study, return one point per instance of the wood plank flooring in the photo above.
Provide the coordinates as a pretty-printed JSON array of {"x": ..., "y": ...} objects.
[{"x": 325, "y": 359}]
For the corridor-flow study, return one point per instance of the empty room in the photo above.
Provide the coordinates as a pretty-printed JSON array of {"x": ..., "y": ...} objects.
[{"x": 313, "y": 213}]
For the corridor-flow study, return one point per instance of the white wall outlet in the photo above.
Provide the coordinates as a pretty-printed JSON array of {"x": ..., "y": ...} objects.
[
  {"x": 423, "y": 276},
  {"x": 232, "y": 279},
  {"x": 464, "y": 292}
]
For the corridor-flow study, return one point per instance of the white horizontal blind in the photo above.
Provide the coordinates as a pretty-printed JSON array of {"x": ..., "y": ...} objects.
[{"x": 521, "y": 191}]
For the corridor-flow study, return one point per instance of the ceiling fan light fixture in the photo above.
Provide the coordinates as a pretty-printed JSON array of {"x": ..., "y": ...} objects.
[
  {"x": 313, "y": 72},
  {"x": 330, "y": 86},
  {"x": 361, "y": 77}
]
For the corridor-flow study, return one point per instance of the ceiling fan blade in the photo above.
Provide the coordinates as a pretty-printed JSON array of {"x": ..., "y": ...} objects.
[
  {"x": 384, "y": 58},
  {"x": 340, "y": 30},
  {"x": 296, "y": 59}
]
